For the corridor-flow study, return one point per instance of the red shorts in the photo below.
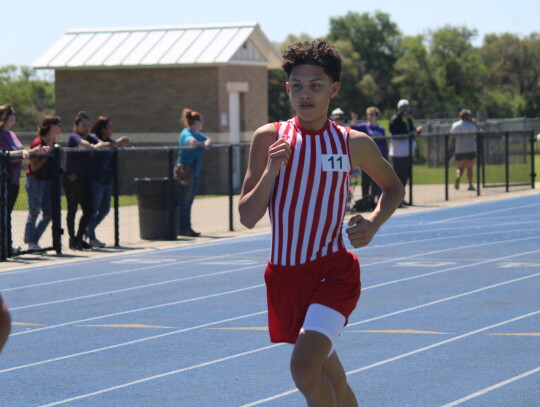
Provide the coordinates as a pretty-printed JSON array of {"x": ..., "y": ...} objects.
[{"x": 333, "y": 281}]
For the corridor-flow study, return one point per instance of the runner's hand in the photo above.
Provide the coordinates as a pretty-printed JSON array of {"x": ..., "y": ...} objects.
[
  {"x": 360, "y": 231},
  {"x": 278, "y": 155}
]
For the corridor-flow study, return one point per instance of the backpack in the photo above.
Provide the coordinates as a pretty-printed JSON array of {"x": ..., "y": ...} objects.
[{"x": 366, "y": 204}]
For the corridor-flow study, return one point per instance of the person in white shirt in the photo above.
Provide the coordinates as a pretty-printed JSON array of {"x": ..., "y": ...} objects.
[{"x": 464, "y": 136}]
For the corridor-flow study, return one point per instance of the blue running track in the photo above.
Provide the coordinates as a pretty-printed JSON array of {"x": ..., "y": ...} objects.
[{"x": 449, "y": 315}]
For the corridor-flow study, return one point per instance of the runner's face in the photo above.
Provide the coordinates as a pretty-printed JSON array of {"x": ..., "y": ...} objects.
[{"x": 310, "y": 90}]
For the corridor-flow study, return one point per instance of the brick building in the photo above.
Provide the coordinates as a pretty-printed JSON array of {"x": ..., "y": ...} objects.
[{"x": 144, "y": 77}]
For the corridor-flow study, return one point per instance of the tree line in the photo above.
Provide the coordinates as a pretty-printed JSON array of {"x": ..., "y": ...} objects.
[
  {"x": 440, "y": 72},
  {"x": 31, "y": 97}
]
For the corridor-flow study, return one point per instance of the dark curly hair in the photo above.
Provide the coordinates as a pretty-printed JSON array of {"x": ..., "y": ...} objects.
[{"x": 317, "y": 52}]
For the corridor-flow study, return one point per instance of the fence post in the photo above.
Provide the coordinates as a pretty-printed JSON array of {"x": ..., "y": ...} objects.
[
  {"x": 56, "y": 200},
  {"x": 446, "y": 161},
  {"x": 9, "y": 242},
  {"x": 231, "y": 190},
  {"x": 116, "y": 191},
  {"x": 533, "y": 173},
  {"x": 4, "y": 212},
  {"x": 173, "y": 226},
  {"x": 479, "y": 160},
  {"x": 411, "y": 159},
  {"x": 507, "y": 161}
]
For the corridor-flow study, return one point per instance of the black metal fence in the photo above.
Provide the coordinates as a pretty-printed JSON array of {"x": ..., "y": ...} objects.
[
  {"x": 504, "y": 161},
  {"x": 144, "y": 191}
]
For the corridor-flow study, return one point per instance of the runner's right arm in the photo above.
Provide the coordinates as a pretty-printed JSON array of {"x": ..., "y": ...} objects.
[{"x": 266, "y": 157}]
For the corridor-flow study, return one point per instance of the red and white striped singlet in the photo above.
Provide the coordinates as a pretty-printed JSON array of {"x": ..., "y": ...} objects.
[{"x": 309, "y": 197}]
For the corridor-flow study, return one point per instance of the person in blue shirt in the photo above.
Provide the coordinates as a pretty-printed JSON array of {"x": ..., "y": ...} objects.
[
  {"x": 190, "y": 136},
  {"x": 375, "y": 131}
]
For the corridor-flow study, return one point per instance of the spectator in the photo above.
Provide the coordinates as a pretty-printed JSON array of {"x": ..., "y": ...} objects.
[
  {"x": 375, "y": 131},
  {"x": 192, "y": 158},
  {"x": 9, "y": 142},
  {"x": 76, "y": 180},
  {"x": 401, "y": 126},
  {"x": 38, "y": 182},
  {"x": 338, "y": 116},
  {"x": 101, "y": 176},
  {"x": 463, "y": 135},
  {"x": 5, "y": 323}
]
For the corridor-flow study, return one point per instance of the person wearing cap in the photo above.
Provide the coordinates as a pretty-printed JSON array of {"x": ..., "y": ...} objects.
[
  {"x": 401, "y": 128},
  {"x": 338, "y": 116}
]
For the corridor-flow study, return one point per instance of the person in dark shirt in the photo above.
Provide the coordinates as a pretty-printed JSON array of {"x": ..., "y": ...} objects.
[
  {"x": 10, "y": 142},
  {"x": 101, "y": 175},
  {"x": 401, "y": 148},
  {"x": 377, "y": 133},
  {"x": 76, "y": 179}
]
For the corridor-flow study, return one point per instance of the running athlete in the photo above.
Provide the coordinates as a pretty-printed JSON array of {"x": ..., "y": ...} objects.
[
  {"x": 299, "y": 170},
  {"x": 5, "y": 323}
]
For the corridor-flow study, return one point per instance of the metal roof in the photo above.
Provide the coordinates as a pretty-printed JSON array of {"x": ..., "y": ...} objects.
[{"x": 144, "y": 47}]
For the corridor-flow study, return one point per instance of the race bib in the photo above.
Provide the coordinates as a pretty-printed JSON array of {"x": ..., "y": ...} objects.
[{"x": 336, "y": 162}]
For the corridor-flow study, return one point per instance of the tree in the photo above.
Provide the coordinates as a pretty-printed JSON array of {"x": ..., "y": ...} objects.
[
  {"x": 375, "y": 39},
  {"x": 31, "y": 98},
  {"x": 415, "y": 78},
  {"x": 514, "y": 73},
  {"x": 459, "y": 71},
  {"x": 350, "y": 96},
  {"x": 279, "y": 107}
]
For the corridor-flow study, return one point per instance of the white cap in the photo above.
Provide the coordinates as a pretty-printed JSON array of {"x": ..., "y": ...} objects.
[
  {"x": 403, "y": 103},
  {"x": 337, "y": 112}
]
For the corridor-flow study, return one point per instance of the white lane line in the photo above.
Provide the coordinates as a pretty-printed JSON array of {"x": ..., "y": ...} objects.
[
  {"x": 483, "y": 214},
  {"x": 373, "y": 247},
  {"x": 239, "y": 290},
  {"x": 176, "y": 280},
  {"x": 453, "y": 297},
  {"x": 159, "y": 376},
  {"x": 450, "y": 237},
  {"x": 231, "y": 240},
  {"x": 404, "y": 355},
  {"x": 491, "y": 388},
  {"x": 432, "y": 273},
  {"x": 446, "y": 250},
  {"x": 369, "y": 247},
  {"x": 118, "y": 345},
  {"x": 138, "y": 252},
  {"x": 131, "y": 270},
  {"x": 530, "y": 225},
  {"x": 139, "y": 309},
  {"x": 261, "y": 266},
  {"x": 262, "y": 312}
]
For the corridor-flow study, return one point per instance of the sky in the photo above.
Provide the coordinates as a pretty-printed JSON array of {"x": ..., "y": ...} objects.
[{"x": 33, "y": 26}]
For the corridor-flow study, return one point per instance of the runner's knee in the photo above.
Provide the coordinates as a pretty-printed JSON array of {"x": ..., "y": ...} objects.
[{"x": 306, "y": 373}]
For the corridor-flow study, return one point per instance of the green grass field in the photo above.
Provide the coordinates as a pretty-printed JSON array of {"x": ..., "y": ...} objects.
[
  {"x": 422, "y": 175},
  {"x": 123, "y": 200}
]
